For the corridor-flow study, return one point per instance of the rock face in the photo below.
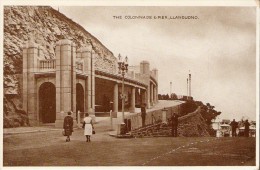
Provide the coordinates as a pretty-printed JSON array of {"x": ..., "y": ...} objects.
[
  {"x": 45, "y": 26},
  {"x": 190, "y": 125}
]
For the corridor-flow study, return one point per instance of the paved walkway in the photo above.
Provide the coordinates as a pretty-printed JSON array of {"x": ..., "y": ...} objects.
[{"x": 102, "y": 123}]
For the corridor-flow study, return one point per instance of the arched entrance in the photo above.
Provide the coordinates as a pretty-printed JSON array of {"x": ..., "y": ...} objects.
[
  {"x": 47, "y": 103},
  {"x": 79, "y": 98}
]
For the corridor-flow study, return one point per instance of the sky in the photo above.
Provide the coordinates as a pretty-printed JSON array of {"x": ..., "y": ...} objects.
[{"x": 218, "y": 47}]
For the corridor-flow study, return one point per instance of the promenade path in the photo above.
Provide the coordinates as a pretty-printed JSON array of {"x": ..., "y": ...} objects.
[
  {"x": 45, "y": 146},
  {"x": 102, "y": 123}
]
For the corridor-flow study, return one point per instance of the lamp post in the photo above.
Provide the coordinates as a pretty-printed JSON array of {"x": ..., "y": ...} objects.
[
  {"x": 190, "y": 83},
  {"x": 122, "y": 69},
  {"x": 170, "y": 89}
]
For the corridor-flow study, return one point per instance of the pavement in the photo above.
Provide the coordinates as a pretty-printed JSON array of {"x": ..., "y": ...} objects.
[
  {"x": 102, "y": 123},
  {"x": 103, "y": 150}
]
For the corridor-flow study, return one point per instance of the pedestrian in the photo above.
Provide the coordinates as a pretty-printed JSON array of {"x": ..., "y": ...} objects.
[
  {"x": 247, "y": 124},
  {"x": 234, "y": 126},
  {"x": 159, "y": 120},
  {"x": 68, "y": 126},
  {"x": 88, "y": 127},
  {"x": 143, "y": 113},
  {"x": 174, "y": 119}
]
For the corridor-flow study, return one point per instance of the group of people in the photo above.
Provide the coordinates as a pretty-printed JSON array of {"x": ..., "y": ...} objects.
[
  {"x": 234, "y": 127},
  {"x": 87, "y": 125},
  {"x": 174, "y": 120}
]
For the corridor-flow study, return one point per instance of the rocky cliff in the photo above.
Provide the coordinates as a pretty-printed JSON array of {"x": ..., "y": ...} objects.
[{"x": 45, "y": 26}]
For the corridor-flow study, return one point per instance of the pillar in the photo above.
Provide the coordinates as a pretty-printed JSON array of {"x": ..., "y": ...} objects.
[
  {"x": 25, "y": 77},
  {"x": 85, "y": 55},
  {"x": 65, "y": 80},
  {"x": 145, "y": 68},
  {"x": 132, "y": 106},
  {"x": 154, "y": 94},
  {"x": 93, "y": 56},
  {"x": 155, "y": 73},
  {"x": 73, "y": 53},
  {"x": 115, "y": 100},
  {"x": 157, "y": 93},
  {"x": 30, "y": 66},
  {"x": 147, "y": 97},
  {"x": 151, "y": 90},
  {"x": 145, "y": 75}
]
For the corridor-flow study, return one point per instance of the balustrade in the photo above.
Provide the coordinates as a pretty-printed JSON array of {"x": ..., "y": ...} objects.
[{"x": 47, "y": 64}]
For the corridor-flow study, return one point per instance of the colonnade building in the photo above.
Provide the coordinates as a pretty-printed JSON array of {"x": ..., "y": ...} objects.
[{"x": 80, "y": 80}]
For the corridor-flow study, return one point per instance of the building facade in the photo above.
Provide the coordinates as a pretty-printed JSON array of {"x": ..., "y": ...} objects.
[{"x": 82, "y": 80}]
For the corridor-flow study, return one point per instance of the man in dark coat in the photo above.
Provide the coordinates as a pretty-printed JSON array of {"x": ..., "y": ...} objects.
[
  {"x": 68, "y": 126},
  {"x": 143, "y": 114},
  {"x": 174, "y": 119},
  {"x": 247, "y": 124},
  {"x": 234, "y": 125}
]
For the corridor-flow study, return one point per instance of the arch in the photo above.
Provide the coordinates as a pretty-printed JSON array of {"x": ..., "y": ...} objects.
[
  {"x": 79, "y": 98},
  {"x": 47, "y": 103}
]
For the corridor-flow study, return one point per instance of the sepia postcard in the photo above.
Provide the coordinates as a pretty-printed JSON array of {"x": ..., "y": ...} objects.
[{"x": 162, "y": 84}]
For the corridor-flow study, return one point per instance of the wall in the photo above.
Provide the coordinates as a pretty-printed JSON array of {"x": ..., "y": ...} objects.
[
  {"x": 190, "y": 125},
  {"x": 151, "y": 117}
]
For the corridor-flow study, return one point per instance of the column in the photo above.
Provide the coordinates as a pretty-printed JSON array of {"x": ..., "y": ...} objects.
[
  {"x": 73, "y": 67},
  {"x": 91, "y": 86},
  {"x": 65, "y": 80},
  {"x": 115, "y": 100},
  {"x": 59, "y": 97},
  {"x": 86, "y": 57},
  {"x": 147, "y": 98},
  {"x": 151, "y": 90},
  {"x": 154, "y": 94},
  {"x": 93, "y": 56},
  {"x": 25, "y": 78},
  {"x": 132, "y": 107},
  {"x": 32, "y": 66},
  {"x": 157, "y": 93}
]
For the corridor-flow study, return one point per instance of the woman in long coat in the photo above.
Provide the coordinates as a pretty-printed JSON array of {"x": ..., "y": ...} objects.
[
  {"x": 88, "y": 127},
  {"x": 68, "y": 126}
]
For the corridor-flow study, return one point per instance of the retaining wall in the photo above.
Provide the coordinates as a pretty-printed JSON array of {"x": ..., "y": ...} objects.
[
  {"x": 190, "y": 125},
  {"x": 151, "y": 117}
]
